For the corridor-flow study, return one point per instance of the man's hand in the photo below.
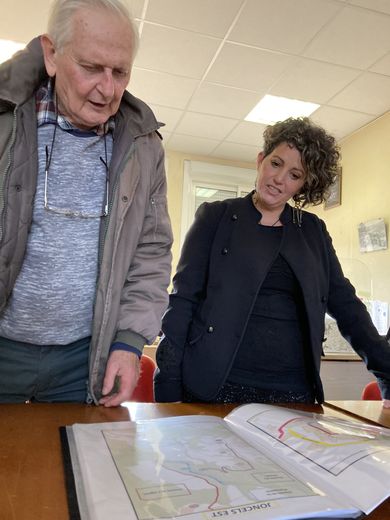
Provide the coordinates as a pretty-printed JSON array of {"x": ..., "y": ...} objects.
[
  {"x": 123, "y": 371},
  {"x": 386, "y": 403}
]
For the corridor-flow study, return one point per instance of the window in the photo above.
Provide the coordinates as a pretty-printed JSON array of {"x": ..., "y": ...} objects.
[{"x": 206, "y": 182}]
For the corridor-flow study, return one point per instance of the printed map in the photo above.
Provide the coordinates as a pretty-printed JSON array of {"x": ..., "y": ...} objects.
[
  {"x": 176, "y": 472},
  {"x": 331, "y": 444}
]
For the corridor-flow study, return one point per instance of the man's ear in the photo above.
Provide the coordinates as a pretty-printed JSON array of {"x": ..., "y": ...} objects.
[
  {"x": 260, "y": 158},
  {"x": 49, "y": 55}
]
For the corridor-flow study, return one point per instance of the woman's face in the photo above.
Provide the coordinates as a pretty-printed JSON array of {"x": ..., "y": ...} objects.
[{"x": 280, "y": 175}]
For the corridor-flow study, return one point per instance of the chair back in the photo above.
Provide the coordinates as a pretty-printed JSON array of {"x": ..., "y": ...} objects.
[
  {"x": 143, "y": 392},
  {"x": 371, "y": 392}
]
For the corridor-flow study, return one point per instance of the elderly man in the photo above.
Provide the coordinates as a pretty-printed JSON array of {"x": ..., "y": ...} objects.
[{"x": 84, "y": 232}]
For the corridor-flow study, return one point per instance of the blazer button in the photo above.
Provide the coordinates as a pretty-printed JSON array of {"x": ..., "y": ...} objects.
[
  {"x": 323, "y": 299},
  {"x": 210, "y": 329},
  {"x": 234, "y": 217},
  {"x": 224, "y": 251}
]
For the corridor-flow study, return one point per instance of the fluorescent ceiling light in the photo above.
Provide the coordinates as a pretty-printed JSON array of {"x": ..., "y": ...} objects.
[
  {"x": 271, "y": 109},
  {"x": 8, "y": 48}
]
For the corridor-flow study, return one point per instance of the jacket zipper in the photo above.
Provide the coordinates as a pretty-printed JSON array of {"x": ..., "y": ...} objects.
[
  {"x": 92, "y": 374},
  {"x": 115, "y": 187},
  {"x": 9, "y": 164}
]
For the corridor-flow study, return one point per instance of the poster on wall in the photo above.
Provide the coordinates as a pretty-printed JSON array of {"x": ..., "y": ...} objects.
[{"x": 372, "y": 235}]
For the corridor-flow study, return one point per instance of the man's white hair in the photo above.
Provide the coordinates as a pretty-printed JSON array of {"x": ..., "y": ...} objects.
[{"x": 60, "y": 25}]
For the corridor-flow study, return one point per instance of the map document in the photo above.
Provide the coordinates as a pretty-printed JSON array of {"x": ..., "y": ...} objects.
[{"x": 259, "y": 462}]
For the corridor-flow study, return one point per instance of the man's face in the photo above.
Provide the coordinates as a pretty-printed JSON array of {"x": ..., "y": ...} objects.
[{"x": 93, "y": 69}]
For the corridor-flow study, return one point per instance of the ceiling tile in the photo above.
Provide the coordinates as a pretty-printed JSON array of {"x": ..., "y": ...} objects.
[
  {"x": 161, "y": 89},
  {"x": 355, "y": 38},
  {"x": 166, "y": 136},
  {"x": 346, "y": 67},
  {"x": 203, "y": 16},
  {"x": 223, "y": 101},
  {"x": 136, "y": 7},
  {"x": 175, "y": 51},
  {"x": 254, "y": 69},
  {"x": 369, "y": 94},
  {"x": 188, "y": 144},
  {"x": 278, "y": 24},
  {"x": 169, "y": 116},
  {"x": 313, "y": 81},
  {"x": 340, "y": 122},
  {"x": 248, "y": 133},
  {"x": 238, "y": 152},
  {"x": 202, "y": 125},
  {"x": 382, "y": 6},
  {"x": 382, "y": 66}
]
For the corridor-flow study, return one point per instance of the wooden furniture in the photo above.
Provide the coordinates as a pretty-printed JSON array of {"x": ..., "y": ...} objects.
[
  {"x": 32, "y": 485},
  {"x": 369, "y": 411}
]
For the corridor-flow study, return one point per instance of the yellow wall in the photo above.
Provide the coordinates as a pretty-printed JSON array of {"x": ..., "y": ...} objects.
[{"x": 365, "y": 196}]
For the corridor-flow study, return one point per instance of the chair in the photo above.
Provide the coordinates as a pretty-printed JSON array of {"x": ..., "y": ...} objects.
[
  {"x": 143, "y": 392},
  {"x": 371, "y": 392}
]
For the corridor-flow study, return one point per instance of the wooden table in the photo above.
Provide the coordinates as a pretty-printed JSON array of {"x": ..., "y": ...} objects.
[
  {"x": 370, "y": 411},
  {"x": 32, "y": 485}
]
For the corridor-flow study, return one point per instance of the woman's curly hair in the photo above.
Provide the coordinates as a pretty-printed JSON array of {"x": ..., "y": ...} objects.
[{"x": 320, "y": 155}]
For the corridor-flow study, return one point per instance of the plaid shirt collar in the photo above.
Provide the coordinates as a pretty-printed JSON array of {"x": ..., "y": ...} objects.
[{"x": 45, "y": 100}]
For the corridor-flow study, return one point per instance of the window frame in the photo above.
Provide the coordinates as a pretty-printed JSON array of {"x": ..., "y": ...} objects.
[{"x": 213, "y": 176}]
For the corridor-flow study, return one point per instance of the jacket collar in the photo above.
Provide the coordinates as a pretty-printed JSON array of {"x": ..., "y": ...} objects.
[
  {"x": 286, "y": 216},
  {"x": 22, "y": 74}
]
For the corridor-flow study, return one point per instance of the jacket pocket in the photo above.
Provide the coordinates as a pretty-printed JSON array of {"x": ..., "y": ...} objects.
[
  {"x": 159, "y": 215},
  {"x": 195, "y": 333}
]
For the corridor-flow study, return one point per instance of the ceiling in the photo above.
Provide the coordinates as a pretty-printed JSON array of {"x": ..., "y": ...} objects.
[{"x": 203, "y": 64}]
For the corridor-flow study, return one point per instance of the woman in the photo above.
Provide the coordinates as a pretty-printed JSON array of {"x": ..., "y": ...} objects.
[{"x": 256, "y": 276}]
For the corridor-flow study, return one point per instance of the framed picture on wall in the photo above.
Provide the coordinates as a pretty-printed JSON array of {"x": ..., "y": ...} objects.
[
  {"x": 334, "y": 198},
  {"x": 372, "y": 235}
]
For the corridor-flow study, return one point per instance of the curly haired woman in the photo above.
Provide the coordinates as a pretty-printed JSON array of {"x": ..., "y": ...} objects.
[{"x": 255, "y": 278}]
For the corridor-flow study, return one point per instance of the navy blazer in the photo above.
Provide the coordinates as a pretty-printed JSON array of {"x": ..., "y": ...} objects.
[{"x": 222, "y": 266}]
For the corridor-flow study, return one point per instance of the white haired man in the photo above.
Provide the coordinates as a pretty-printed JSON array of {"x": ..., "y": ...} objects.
[{"x": 85, "y": 235}]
